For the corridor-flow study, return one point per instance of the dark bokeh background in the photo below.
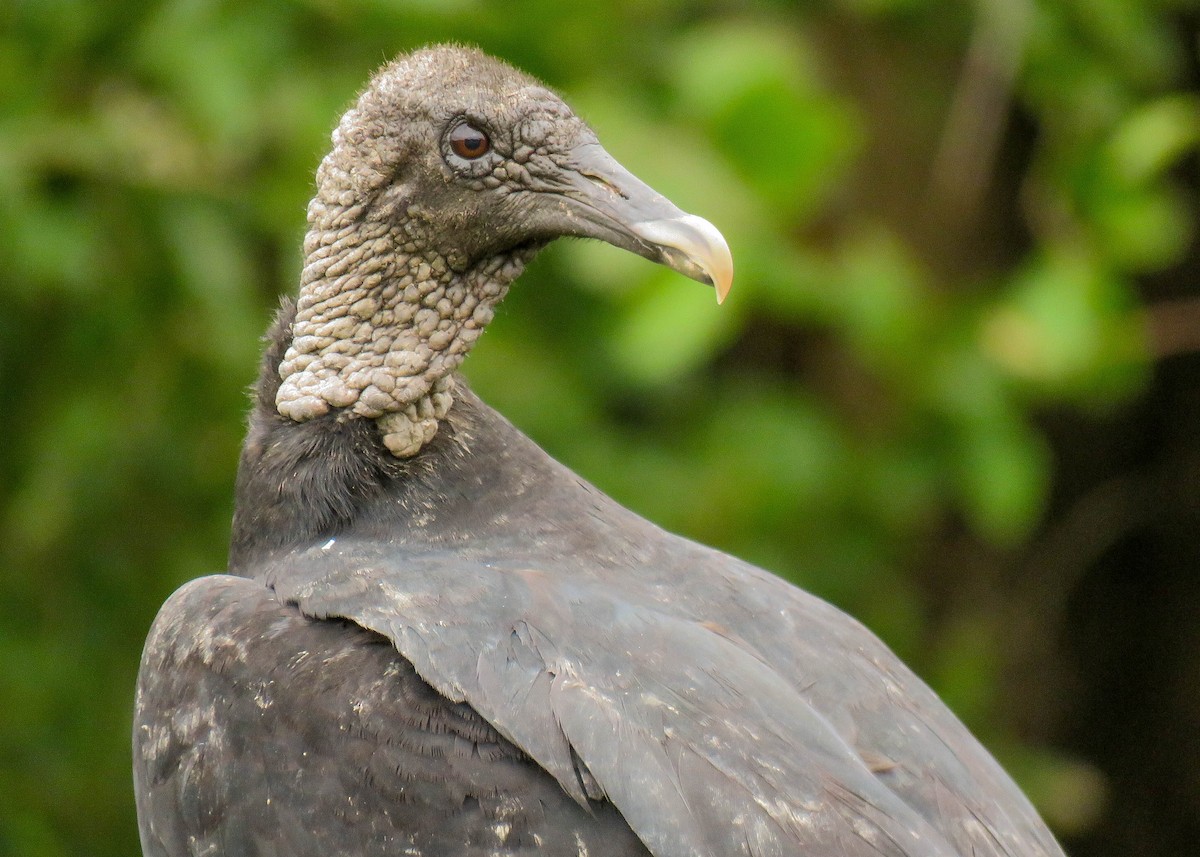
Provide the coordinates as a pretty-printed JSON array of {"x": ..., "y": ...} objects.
[{"x": 956, "y": 389}]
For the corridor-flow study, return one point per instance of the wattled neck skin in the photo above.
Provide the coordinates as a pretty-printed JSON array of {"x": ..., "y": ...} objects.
[
  {"x": 412, "y": 240},
  {"x": 401, "y": 274},
  {"x": 383, "y": 319}
]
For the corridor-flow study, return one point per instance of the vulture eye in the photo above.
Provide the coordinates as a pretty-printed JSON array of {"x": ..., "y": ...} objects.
[{"x": 469, "y": 142}]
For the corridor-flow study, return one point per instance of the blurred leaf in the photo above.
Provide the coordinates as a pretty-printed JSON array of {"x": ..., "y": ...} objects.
[
  {"x": 1153, "y": 137},
  {"x": 965, "y": 673},
  {"x": 668, "y": 329},
  {"x": 1071, "y": 793},
  {"x": 882, "y": 298},
  {"x": 999, "y": 465},
  {"x": 1003, "y": 475},
  {"x": 759, "y": 95},
  {"x": 775, "y": 456},
  {"x": 1066, "y": 325},
  {"x": 1131, "y": 34},
  {"x": 1145, "y": 229},
  {"x": 212, "y": 261}
]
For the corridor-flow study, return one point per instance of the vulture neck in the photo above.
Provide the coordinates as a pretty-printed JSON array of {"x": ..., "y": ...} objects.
[
  {"x": 302, "y": 480},
  {"x": 383, "y": 319},
  {"x": 300, "y": 484}
]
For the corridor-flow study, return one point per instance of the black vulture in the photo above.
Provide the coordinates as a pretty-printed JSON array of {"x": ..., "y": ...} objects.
[{"x": 434, "y": 639}]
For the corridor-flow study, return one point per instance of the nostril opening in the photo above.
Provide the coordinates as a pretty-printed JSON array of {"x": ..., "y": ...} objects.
[{"x": 604, "y": 182}]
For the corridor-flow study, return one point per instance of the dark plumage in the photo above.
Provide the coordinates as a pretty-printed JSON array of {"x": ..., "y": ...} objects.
[{"x": 434, "y": 639}]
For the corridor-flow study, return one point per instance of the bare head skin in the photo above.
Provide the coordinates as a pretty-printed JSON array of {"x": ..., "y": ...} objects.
[{"x": 445, "y": 179}]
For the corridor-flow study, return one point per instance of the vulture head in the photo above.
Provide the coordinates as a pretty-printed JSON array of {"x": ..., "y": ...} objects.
[{"x": 450, "y": 172}]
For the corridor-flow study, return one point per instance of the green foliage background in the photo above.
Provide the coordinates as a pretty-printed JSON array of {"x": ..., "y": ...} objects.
[{"x": 940, "y": 214}]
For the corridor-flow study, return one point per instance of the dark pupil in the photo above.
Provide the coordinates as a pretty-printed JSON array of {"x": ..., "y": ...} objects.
[{"x": 469, "y": 142}]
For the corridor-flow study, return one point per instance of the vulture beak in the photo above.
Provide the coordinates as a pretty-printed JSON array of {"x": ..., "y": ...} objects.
[{"x": 604, "y": 200}]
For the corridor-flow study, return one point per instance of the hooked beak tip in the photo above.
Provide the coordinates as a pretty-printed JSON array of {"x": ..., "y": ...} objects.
[
  {"x": 722, "y": 286},
  {"x": 693, "y": 247}
]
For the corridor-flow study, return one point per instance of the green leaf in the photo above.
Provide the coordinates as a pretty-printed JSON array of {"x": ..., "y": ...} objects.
[
  {"x": 671, "y": 327},
  {"x": 1067, "y": 325},
  {"x": 1155, "y": 136}
]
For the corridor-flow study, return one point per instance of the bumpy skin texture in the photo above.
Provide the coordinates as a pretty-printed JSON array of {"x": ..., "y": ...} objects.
[
  {"x": 391, "y": 296},
  {"x": 467, "y": 649}
]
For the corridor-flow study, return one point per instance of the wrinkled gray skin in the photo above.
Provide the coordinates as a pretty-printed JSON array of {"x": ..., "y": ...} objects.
[{"x": 469, "y": 650}]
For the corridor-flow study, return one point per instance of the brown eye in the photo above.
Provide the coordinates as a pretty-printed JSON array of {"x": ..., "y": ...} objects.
[{"x": 469, "y": 142}]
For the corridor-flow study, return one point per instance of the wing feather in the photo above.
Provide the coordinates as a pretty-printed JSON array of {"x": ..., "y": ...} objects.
[
  {"x": 705, "y": 738},
  {"x": 260, "y": 731}
]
